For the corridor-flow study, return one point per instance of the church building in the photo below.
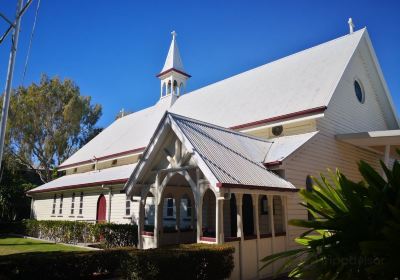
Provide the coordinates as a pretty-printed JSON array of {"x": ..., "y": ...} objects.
[{"x": 224, "y": 163}]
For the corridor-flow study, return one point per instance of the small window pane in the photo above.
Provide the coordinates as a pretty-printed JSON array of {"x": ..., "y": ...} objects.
[{"x": 359, "y": 92}]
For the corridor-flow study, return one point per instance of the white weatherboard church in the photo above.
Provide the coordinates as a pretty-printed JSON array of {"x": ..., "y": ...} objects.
[{"x": 223, "y": 164}]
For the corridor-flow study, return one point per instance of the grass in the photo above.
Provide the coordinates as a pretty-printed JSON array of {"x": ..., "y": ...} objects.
[{"x": 15, "y": 245}]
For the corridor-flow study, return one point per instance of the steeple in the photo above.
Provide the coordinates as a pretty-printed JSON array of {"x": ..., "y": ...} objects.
[{"x": 173, "y": 76}]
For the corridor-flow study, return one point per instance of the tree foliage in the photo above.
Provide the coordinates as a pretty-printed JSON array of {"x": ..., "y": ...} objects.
[
  {"x": 48, "y": 122},
  {"x": 15, "y": 181},
  {"x": 355, "y": 231}
]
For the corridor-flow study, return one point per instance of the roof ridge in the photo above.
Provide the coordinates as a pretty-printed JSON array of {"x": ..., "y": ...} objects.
[
  {"x": 279, "y": 59},
  {"x": 228, "y": 130}
]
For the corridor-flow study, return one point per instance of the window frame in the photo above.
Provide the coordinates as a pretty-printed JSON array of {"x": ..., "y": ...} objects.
[
  {"x": 60, "y": 211},
  {"x": 73, "y": 203},
  {"x": 170, "y": 207},
  {"x": 53, "y": 211},
  {"x": 358, "y": 84},
  {"x": 127, "y": 207}
]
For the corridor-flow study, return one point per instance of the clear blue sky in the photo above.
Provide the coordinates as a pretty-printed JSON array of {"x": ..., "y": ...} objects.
[{"x": 113, "y": 49}]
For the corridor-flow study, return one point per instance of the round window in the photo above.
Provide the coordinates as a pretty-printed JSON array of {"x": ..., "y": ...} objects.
[
  {"x": 277, "y": 130},
  {"x": 359, "y": 92}
]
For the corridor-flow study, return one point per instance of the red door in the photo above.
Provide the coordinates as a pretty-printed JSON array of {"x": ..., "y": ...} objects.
[{"x": 101, "y": 209}]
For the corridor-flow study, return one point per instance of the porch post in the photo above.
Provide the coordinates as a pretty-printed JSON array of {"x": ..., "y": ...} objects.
[
  {"x": 257, "y": 230},
  {"x": 157, "y": 199},
  {"x": 219, "y": 229},
  {"x": 239, "y": 220},
  {"x": 141, "y": 222},
  {"x": 285, "y": 220},
  {"x": 271, "y": 222},
  {"x": 199, "y": 213},
  {"x": 199, "y": 207}
]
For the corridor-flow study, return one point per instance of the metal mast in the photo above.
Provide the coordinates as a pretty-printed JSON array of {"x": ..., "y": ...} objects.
[{"x": 11, "y": 64}]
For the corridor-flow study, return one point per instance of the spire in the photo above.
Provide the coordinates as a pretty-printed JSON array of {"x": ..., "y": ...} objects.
[
  {"x": 351, "y": 25},
  {"x": 173, "y": 61},
  {"x": 173, "y": 76}
]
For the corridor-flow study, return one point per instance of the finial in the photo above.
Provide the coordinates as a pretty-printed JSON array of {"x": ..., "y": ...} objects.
[
  {"x": 351, "y": 25},
  {"x": 174, "y": 34}
]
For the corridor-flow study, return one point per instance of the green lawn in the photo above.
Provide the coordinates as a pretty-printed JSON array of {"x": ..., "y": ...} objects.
[{"x": 15, "y": 245}]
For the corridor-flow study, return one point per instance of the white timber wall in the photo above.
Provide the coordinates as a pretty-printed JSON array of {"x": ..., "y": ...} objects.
[
  {"x": 345, "y": 114},
  {"x": 43, "y": 205}
]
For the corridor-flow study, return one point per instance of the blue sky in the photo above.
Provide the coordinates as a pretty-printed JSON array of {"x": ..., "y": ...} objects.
[{"x": 114, "y": 49}]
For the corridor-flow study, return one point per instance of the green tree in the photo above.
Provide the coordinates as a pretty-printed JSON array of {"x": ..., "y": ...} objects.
[
  {"x": 15, "y": 181},
  {"x": 48, "y": 122},
  {"x": 355, "y": 231}
]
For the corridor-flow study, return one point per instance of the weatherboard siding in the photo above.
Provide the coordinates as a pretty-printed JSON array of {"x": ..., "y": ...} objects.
[
  {"x": 344, "y": 115},
  {"x": 43, "y": 205}
]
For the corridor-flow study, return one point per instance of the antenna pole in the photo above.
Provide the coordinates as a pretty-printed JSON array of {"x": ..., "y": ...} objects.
[{"x": 10, "y": 73}]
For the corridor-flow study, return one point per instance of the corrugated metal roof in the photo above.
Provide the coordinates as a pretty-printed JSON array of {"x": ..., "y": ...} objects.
[
  {"x": 108, "y": 176},
  {"x": 233, "y": 158}
]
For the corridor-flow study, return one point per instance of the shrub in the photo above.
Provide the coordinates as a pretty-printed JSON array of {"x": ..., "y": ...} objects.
[
  {"x": 182, "y": 262},
  {"x": 196, "y": 261},
  {"x": 61, "y": 265},
  {"x": 73, "y": 232}
]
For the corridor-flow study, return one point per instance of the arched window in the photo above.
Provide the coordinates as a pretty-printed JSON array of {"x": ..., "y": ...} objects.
[
  {"x": 61, "y": 203},
  {"x": 309, "y": 188},
  {"x": 53, "y": 211},
  {"x": 264, "y": 218},
  {"x": 185, "y": 213},
  {"x": 164, "y": 89},
  {"x": 181, "y": 89},
  {"x": 247, "y": 209},
  {"x": 169, "y": 87},
  {"x": 208, "y": 214},
  {"x": 175, "y": 87},
  {"x": 278, "y": 215},
  {"x": 72, "y": 203},
  {"x": 81, "y": 204}
]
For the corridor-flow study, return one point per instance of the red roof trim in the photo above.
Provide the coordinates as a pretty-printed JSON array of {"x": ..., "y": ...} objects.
[
  {"x": 282, "y": 117},
  {"x": 273, "y": 163},
  {"x": 103, "y": 158},
  {"x": 173, "y": 69},
  {"x": 109, "y": 182},
  {"x": 252, "y": 187}
]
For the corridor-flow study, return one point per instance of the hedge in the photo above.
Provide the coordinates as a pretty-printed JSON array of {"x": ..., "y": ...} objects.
[
  {"x": 73, "y": 232},
  {"x": 195, "y": 261},
  {"x": 182, "y": 262}
]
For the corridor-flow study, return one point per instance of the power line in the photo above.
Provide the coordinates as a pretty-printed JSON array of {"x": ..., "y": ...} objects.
[{"x": 30, "y": 43}]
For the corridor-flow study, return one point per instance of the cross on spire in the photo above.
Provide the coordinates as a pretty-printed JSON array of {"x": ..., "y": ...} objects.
[
  {"x": 351, "y": 25},
  {"x": 174, "y": 34}
]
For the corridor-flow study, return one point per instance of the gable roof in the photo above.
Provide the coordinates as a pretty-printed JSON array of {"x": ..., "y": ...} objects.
[
  {"x": 300, "y": 83},
  {"x": 225, "y": 156}
]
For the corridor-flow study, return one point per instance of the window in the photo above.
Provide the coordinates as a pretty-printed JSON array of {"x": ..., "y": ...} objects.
[
  {"x": 93, "y": 166},
  {"x": 128, "y": 207},
  {"x": 61, "y": 203},
  {"x": 277, "y": 130},
  {"x": 54, "y": 204},
  {"x": 114, "y": 162},
  {"x": 359, "y": 92},
  {"x": 309, "y": 188},
  {"x": 170, "y": 207},
  {"x": 72, "y": 203},
  {"x": 264, "y": 205},
  {"x": 75, "y": 170},
  {"x": 81, "y": 204}
]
